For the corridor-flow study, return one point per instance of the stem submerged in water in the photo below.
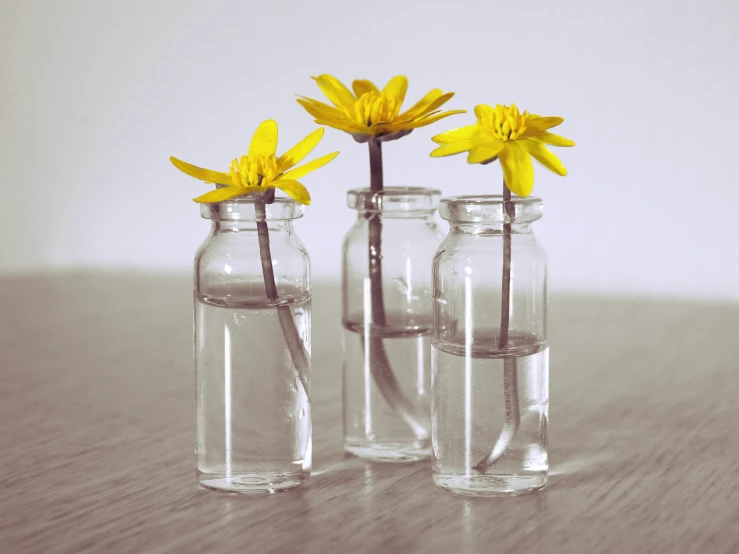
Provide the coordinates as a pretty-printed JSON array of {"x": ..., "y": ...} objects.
[
  {"x": 510, "y": 373},
  {"x": 299, "y": 356},
  {"x": 380, "y": 367}
]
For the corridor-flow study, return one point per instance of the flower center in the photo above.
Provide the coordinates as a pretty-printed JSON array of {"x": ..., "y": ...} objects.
[
  {"x": 254, "y": 170},
  {"x": 376, "y": 108},
  {"x": 505, "y": 123}
]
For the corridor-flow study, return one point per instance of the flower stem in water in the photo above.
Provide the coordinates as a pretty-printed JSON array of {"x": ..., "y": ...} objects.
[
  {"x": 294, "y": 343},
  {"x": 510, "y": 373},
  {"x": 380, "y": 367}
]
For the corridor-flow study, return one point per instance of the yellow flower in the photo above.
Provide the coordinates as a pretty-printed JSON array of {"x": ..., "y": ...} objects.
[
  {"x": 260, "y": 170},
  {"x": 370, "y": 113},
  {"x": 503, "y": 132}
]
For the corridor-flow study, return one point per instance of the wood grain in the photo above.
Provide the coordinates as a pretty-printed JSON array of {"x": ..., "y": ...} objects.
[{"x": 97, "y": 436}]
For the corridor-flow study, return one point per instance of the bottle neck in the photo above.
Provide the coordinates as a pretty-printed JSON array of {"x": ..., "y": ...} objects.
[
  {"x": 491, "y": 229},
  {"x": 246, "y": 225},
  {"x": 421, "y": 217}
]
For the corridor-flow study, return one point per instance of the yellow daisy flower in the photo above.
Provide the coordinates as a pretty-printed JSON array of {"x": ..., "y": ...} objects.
[
  {"x": 260, "y": 170},
  {"x": 503, "y": 132},
  {"x": 369, "y": 113}
]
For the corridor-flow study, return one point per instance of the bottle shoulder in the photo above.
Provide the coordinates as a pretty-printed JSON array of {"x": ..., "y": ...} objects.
[
  {"x": 470, "y": 246},
  {"x": 396, "y": 231}
]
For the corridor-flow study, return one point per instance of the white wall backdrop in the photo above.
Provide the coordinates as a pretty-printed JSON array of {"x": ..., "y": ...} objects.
[{"x": 95, "y": 95}]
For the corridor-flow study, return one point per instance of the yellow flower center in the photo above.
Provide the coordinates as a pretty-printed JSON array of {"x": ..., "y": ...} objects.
[
  {"x": 376, "y": 108},
  {"x": 505, "y": 123},
  {"x": 254, "y": 170}
]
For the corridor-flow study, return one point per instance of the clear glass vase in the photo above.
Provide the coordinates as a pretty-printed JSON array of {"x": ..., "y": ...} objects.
[
  {"x": 387, "y": 319},
  {"x": 252, "y": 348},
  {"x": 490, "y": 380}
]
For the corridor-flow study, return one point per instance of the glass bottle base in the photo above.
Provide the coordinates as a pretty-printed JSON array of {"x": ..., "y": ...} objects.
[
  {"x": 253, "y": 483},
  {"x": 491, "y": 485},
  {"x": 393, "y": 452}
]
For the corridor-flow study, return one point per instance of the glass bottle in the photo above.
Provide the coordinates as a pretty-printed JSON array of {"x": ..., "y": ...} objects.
[
  {"x": 252, "y": 348},
  {"x": 387, "y": 317},
  {"x": 490, "y": 377}
]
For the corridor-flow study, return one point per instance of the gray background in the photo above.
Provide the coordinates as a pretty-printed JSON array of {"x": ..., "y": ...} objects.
[{"x": 96, "y": 95}]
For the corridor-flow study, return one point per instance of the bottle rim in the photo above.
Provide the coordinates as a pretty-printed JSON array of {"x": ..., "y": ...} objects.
[
  {"x": 407, "y": 200},
  {"x": 490, "y": 209},
  {"x": 243, "y": 209}
]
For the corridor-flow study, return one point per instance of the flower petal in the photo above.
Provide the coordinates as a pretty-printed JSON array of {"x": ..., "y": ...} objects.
[
  {"x": 294, "y": 190},
  {"x": 207, "y": 175},
  {"x": 316, "y": 108},
  {"x": 453, "y": 135},
  {"x": 423, "y": 122},
  {"x": 264, "y": 141},
  {"x": 331, "y": 117},
  {"x": 322, "y": 111},
  {"x": 362, "y": 86},
  {"x": 396, "y": 88},
  {"x": 420, "y": 106},
  {"x": 545, "y": 137},
  {"x": 544, "y": 123},
  {"x": 483, "y": 111},
  {"x": 342, "y": 124},
  {"x": 440, "y": 101},
  {"x": 336, "y": 92},
  {"x": 296, "y": 154},
  {"x": 518, "y": 170},
  {"x": 303, "y": 170},
  {"x": 453, "y": 148},
  {"x": 225, "y": 193},
  {"x": 485, "y": 152},
  {"x": 426, "y": 109},
  {"x": 543, "y": 155}
]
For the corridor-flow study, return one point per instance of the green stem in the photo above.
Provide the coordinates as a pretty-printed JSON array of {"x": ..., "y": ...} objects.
[{"x": 380, "y": 367}]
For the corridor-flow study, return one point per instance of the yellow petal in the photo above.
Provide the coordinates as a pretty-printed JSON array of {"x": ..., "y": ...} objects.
[
  {"x": 420, "y": 106},
  {"x": 453, "y": 135},
  {"x": 336, "y": 92},
  {"x": 543, "y": 155},
  {"x": 264, "y": 141},
  {"x": 453, "y": 148},
  {"x": 303, "y": 170},
  {"x": 545, "y": 137},
  {"x": 362, "y": 86},
  {"x": 296, "y": 154},
  {"x": 383, "y": 128},
  {"x": 396, "y": 88},
  {"x": 317, "y": 109},
  {"x": 294, "y": 190},
  {"x": 423, "y": 122},
  {"x": 483, "y": 111},
  {"x": 485, "y": 152},
  {"x": 518, "y": 170},
  {"x": 544, "y": 123},
  {"x": 427, "y": 109},
  {"x": 226, "y": 193},
  {"x": 207, "y": 175},
  {"x": 343, "y": 124}
]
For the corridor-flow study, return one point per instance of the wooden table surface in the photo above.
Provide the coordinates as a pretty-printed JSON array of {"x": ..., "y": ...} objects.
[{"x": 96, "y": 441}]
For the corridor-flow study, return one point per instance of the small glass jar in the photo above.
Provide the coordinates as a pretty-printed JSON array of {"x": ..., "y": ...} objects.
[
  {"x": 387, "y": 318},
  {"x": 252, "y": 348},
  {"x": 490, "y": 380}
]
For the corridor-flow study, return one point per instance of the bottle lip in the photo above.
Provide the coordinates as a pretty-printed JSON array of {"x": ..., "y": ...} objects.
[
  {"x": 489, "y": 209},
  {"x": 242, "y": 209},
  {"x": 407, "y": 200}
]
